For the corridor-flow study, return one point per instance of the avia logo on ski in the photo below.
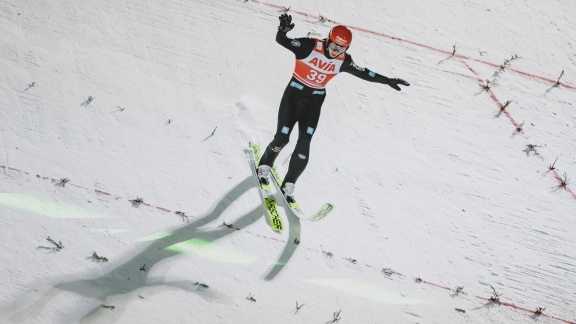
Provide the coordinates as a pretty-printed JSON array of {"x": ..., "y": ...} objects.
[{"x": 326, "y": 66}]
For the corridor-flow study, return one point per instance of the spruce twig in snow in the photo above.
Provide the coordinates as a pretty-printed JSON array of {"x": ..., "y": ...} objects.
[
  {"x": 327, "y": 253},
  {"x": 486, "y": 86},
  {"x": 230, "y": 226},
  {"x": 143, "y": 268},
  {"x": 508, "y": 62},
  {"x": 214, "y": 131},
  {"x": 336, "y": 316},
  {"x": 62, "y": 182},
  {"x": 558, "y": 81},
  {"x": 31, "y": 85},
  {"x": 495, "y": 296},
  {"x": 387, "y": 271},
  {"x": 201, "y": 285},
  {"x": 418, "y": 280},
  {"x": 251, "y": 298},
  {"x": 564, "y": 181},
  {"x": 298, "y": 306},
  {"x": 182, "y": 215},
  {"x": 109, "y": 307},
  {"x": 352, "y": 260},
  {"x": 296, "y": 241},
  {"x": 58, "y": 245},
  {"x": 519, "y": 128},
  {"x": 504, "y": 106},
  {"x": 457, "y": 291},
  {"x": 284, "y": 9},
  {"x": 552, "y": 166},
  {"x": 120, "y": 108},
  {"x": 95, "y": 257},
  {"x": 322, "y": 19},
  {"x": 453, "y": 49},
  {"x": 460, "y": 310},
  {"x": 539, "y": 311},
  {"x": 88, "y": 101},
  {"x": 531, "y": 148},
  {"x": 136, "y": 202}
]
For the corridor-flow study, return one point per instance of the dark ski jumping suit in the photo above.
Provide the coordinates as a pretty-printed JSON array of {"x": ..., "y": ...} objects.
[{"x": 304, "y": 95}]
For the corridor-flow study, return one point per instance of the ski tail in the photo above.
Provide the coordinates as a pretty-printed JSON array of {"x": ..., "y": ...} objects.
[{"x": 268, "y": 200}]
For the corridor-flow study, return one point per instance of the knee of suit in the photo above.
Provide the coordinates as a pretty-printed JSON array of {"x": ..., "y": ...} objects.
[{"x": 279, "y": 142}]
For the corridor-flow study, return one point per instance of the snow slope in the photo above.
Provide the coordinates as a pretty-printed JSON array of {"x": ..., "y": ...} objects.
[{"x": 435, "y": 187}]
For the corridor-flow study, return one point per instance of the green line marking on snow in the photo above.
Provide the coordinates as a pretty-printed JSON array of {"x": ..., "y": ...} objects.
[
  {"x": 212, "y": 251},
  {"x": 155, "y": 236},
  {"x": 46, "y": 207}
]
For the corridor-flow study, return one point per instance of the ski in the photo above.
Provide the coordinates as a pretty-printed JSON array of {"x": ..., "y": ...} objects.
[
  {"x": 266, "y": 193},
  {"x": 324, "y": 211}
]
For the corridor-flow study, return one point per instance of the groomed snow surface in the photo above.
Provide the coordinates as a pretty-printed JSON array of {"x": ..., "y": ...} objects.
[{"x": 436, "y": 187}]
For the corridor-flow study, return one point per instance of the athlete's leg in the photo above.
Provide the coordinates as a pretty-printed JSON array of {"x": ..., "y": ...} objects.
[
  {"x": 308, "y": 116},
  {"x": 287, "y": 117}
]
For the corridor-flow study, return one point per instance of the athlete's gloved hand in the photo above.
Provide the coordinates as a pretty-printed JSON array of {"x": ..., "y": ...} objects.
[
  {"x": 393, "y": 83},
  {"x": 285, "y": 23}
]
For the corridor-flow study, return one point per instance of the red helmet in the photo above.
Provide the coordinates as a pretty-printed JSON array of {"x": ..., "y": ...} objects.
[{"x": 341, "y": 35}]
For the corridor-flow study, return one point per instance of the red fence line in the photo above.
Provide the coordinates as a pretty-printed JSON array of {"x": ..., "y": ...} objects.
[
  {"x": 561, "y": 184},
  {"x": 530, "y": 76}
]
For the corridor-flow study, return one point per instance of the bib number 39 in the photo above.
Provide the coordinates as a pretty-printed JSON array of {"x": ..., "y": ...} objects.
[{"x": 316, "y": 77}]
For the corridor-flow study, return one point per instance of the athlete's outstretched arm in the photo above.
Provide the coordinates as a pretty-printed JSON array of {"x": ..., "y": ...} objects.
[{"x": 365, "y": 74}]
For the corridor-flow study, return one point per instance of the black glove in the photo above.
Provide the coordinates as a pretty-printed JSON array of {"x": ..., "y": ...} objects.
[
  {"x": 393, "y": 83},
  {"x": 285, "y": 23}
]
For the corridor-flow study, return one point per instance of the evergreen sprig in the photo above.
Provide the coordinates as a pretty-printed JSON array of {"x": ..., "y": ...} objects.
[
  {"x": 558, "y": 81},
  {"x": 97, "y": 258},
  {"x": 564, "y": 181},
  {"x": 201, "y": 285},
  {"x": 508, "y": 62},
  {"x": 495, "y": 298},
  {"x": 552, "y": 166},
  {"x": 298, "y": 306},
  {"x": 336, "y": 316},
  {"x": 136, "y": 202},
  {"x": 58, "y": 245},
  {"x": 62, "y": 182},
  {"x": 539, "y": 311}
]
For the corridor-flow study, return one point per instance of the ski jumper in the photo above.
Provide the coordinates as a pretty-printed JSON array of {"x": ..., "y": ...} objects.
[{"x": 303, "y": 97}]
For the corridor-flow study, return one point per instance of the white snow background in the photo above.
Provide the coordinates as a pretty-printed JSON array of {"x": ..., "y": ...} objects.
[{"x": 435, "y": 186}]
